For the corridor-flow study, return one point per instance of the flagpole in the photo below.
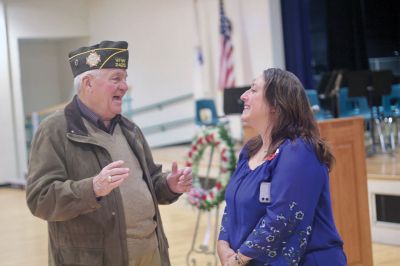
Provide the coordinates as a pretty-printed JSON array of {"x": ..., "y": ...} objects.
[
  {"x": 198, "y": 66},
  {"x": 197, "y": 24},
  {"x": 246, "y": 59}
]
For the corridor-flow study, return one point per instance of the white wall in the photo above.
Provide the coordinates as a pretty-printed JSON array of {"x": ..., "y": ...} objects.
[
  {"x": 39, "y": 80},
  {"x": 261, "y": 40},
  {"x": 46, "y": 77},
  {"x": 8, "y": 156},
  {"x": 160, "y": 36},
  {"x": 65, "y": 76},
  {"x": 161, "y": 44},
  {"x": 162, "y": 40},
  {"x": 34, "y": 20}
]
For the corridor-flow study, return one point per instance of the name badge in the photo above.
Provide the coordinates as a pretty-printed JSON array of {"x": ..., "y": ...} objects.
[{"x": 265, "y": 192}]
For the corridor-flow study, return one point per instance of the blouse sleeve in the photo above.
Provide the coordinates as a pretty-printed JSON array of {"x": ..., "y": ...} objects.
[
  {"x": 281, "y": 235},
  {"x": 223, "y": 233}
]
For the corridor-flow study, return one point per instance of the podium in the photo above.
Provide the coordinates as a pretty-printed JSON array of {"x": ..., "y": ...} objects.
[{"x": 348, "y": 184}]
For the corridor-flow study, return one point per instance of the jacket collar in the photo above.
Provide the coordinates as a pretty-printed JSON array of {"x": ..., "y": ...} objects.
[{"x": 75, "y": 123}]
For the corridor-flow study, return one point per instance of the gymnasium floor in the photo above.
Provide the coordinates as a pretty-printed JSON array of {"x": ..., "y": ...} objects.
[{"x": 24, "y": 237}]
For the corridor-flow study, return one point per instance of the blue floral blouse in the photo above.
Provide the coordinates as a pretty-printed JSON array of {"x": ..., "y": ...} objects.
[{"x": 295, "y": 226}]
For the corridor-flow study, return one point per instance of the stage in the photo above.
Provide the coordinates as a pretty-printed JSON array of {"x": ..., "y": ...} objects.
[{"x": 384, "y": 197}]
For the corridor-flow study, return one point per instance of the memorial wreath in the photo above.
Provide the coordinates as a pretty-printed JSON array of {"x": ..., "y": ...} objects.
[{"x": 219, "y": 139}]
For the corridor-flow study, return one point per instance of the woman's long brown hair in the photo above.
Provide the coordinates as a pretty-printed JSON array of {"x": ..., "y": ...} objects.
[{"x": 293, "y": 117}]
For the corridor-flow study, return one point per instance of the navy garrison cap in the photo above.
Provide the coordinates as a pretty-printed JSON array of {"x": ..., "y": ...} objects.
[{"x": 107, "y": 54}]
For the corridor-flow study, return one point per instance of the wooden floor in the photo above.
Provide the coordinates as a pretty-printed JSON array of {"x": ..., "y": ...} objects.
[
  {"x": 384, "y": 166},
  {"x": 24, "y": 237}
]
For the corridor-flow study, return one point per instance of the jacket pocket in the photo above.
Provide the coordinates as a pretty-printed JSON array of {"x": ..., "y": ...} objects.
[
  {"x": 81, "y": 256},
  {"x": 81, "y": 249}
]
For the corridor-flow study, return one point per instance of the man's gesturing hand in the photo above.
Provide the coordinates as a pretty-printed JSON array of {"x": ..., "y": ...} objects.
[
  {"x": 180, "y": 181},
  {"x": 110, "y": 177}
]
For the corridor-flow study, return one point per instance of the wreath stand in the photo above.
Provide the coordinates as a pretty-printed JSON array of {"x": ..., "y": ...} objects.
[
  {"x": 204, "y": 248},
  {"x": 217, "y": 136}
]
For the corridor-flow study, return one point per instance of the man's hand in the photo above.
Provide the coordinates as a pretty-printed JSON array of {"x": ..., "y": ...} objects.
[
  {"x": 180, "y": 181},
  {"x": 110, "y": 177},
  {"x": 224, "y": 252}
]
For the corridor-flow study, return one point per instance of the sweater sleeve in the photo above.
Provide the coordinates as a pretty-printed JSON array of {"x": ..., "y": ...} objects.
[{"x": 281, "y": 235}]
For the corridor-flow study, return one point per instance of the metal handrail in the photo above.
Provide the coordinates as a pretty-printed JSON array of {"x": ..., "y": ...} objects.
[
  {"x": 147, "y": 130},
  {"x": 160, "y": 105},
  {"x": 167, "y": 125}
]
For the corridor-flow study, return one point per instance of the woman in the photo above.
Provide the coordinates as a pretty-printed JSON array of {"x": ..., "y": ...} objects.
[{"x": 278, "y": 208}]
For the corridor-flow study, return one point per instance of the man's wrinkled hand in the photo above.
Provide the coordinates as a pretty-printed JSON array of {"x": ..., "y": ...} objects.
[
  {"x": 110, "y": 177},
  {"x": 180, "y": 181}
]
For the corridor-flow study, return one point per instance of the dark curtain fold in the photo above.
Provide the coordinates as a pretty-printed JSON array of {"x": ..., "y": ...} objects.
[
  {"x": 297, "y": 39},
  {"x": 346, "y": 35}
]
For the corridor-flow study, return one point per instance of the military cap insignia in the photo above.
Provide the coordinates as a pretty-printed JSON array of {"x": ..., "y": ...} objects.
[
  {"x": 93, "y": 59},
  {"x": 106, "y": 54}
]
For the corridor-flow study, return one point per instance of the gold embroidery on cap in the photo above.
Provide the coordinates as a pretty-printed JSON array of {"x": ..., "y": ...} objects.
[
  {"x": 120, "y": 62},
  {"x": 111, "y": 56},
  {"x": 98, "y": 49},
  {"x": 93, "y": 59}
]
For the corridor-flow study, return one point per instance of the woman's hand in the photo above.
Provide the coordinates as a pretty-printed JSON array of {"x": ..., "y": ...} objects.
[
  {"x": 232, "y": 261},
  {"x": 224, "y": 252},
  {"x": 238, "y": 259}
]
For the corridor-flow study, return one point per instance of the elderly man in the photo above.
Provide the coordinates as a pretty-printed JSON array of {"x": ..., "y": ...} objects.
[{"x": 92, "y": 175}]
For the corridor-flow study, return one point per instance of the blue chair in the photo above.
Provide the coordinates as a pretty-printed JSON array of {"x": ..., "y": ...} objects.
[
  {"x": 358, "y": 106},
  {"x": 352, "y": 106},
  {"x": 206, "y": 113},
  {"x": 391, "y": 102},
  {"x": 319, "y": 112},
  {"x": 391, "y": 111}
]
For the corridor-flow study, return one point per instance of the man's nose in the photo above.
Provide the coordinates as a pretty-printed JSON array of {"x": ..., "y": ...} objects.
[{"x": 123, "y": 86}]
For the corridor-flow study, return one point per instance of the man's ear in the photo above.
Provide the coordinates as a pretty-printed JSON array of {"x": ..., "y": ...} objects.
[{"x": 87, "y": 83}]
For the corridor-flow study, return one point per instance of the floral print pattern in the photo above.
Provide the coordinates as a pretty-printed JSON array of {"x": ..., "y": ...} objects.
[
  {"x": 271, "y": 240},
  {"x": 278, "y": 232}
]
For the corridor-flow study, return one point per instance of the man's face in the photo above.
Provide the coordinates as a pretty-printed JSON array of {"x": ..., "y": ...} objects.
[{"x": 106, "y": 92}]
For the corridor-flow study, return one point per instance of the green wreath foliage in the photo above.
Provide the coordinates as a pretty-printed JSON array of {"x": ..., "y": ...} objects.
[{"x": 219, "y": 139}]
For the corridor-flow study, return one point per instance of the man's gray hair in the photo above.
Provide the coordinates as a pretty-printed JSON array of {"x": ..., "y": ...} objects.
[{"x": 78, "y": 79}]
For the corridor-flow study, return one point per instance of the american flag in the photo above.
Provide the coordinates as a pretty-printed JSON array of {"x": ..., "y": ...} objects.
[{"x": 226, "y": 69}]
